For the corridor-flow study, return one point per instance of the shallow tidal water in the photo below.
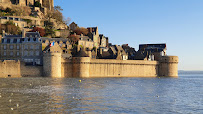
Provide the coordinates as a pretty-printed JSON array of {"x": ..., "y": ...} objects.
[{"x": 102, "y": 95}]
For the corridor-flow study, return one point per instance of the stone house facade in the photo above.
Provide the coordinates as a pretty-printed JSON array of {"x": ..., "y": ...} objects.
[{"x": 27, "y": 49}]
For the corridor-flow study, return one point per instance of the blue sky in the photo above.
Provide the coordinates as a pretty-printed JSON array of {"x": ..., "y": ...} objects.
[{"x": 178, "y": 23}]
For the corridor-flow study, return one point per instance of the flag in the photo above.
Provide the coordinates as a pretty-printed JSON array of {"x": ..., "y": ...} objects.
[{"x": 52, "y": 44}]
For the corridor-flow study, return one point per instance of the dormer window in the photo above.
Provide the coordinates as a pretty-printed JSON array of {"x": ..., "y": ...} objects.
[
  {"x": 5, "y": 40},
  {"x": 18, "y": 40},
  {"x": 11, "y": 40}
]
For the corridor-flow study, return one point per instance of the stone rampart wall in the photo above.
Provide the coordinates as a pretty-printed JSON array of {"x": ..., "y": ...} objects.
[
  {"x": 66, "y": 68},
  {"x": 86, "y": 67},
  {"x": 31, "y": 71},
  {"x": 10, "y": 68},
  {"x": 55, "y": 66},
  {"x": 123, "y": 68},
  {"x": 13, "y": 68}
]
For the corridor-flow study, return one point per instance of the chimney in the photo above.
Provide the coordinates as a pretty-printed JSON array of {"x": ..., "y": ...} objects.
[
  {"x": 3, "y": 33},
  {"x": 23, "y": 33},
  {"x": 100, "y": 51}
]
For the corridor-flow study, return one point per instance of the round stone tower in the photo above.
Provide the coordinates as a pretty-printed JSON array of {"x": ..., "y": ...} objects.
[
  {"x": 81, "y": 67},
  {"x": 168, "y": 66},
  {"x": 52, "y": 65}
]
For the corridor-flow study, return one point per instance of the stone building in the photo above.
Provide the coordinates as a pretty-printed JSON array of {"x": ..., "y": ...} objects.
[
  {"x": 121, "y": 54},
  {"x": 49, "y": 4},
  {"x": 86, "y": 42},
  {"x": 11, "y": 47},
  {"x": 27, "y": 49},
  {"x": 103, "y": 41},
  {"x": 94, "y": 35},
  {"x": 150, "y": 51},
  {"x": 16, "y": 20},
  {"x": 112, "y": 52},
  {"x": 73, "y": 26},
  {"x": 32, "y": 48},
  {"x": 130, "y": 51},
  {"x": 63, "y": 42}
]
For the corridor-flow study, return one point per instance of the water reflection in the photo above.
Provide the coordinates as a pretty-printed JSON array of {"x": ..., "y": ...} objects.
[{"x": 100, "y": 95}]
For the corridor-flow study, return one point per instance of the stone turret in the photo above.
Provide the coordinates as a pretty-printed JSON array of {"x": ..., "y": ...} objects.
[
  {"x": 81, "y": 64},
  {"x": 168, "y": 66},
  {"x": 52, "y": 64}
]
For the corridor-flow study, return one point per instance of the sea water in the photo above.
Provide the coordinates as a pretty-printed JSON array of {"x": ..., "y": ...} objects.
[{"x": 102, "y": 95}]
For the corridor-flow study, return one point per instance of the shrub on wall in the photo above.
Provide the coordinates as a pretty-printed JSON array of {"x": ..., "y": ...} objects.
[
  {"x": 10, "y": 28},
  {"x": 40, "y": 30},
  {"x": 37, "y": 4},
  {"x": 80, "y": 31}
]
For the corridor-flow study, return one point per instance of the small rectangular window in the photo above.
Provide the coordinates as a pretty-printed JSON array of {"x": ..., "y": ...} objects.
[
  {"x": 11, "y": 53},
  {"x": 4, "y": 53},
  {"x": 31, "y": 53},
  {"x": 18, "y": 40},
  {"x": 11, "y": 47},
  {"x": 18, "y": 53},
  {"x": 18, "y": 47},
  {"x": 37, "y": 53},
  {"x": 25, "y": 53},
  {"x": 26, "y": 47},
  {"x": 31, "y": 46},
  {"x": 4, "y": 46}
]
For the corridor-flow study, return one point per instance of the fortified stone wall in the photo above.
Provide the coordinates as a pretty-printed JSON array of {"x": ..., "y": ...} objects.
[
  {"x": 120, "y": 68},
  {"x": 31, "y": 71},
  {"x": 66, "y": 68},
  {"x": 168, "y": 66},
  {"x": 10, "y": 68},
  {"x": 57, "y": 67},
  {"x": 13, "y": 68},
  {"x": 86, "y": 67}
]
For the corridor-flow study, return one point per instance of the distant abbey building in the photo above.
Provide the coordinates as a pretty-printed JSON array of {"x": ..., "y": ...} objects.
[{"x": 45, "y": 3}]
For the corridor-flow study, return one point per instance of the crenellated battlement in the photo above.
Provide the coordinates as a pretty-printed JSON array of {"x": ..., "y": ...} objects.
[
  {"x": 168, "y": 66},
  {"x": 9, "y": 61},
  {"x": 169, "y": 59},
  {"x": 54, "y": 65}
]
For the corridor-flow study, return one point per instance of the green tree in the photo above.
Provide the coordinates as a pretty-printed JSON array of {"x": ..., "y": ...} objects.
[
  {"x": 49, "y": 30},
  {"x": 8, "y": 10},
  {"x": 37, "y": 4},
  {"x": 28, "y": 21},
  {"x": 11, "y": 28}
]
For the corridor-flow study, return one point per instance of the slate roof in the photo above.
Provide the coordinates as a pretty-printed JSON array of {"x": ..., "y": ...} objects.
[
  {"x": 32, "y": 34},
  {"x": 81, "y": 53},
  {"x": 105, "y": 55},
  {"x": 56, "y": 39},
  {"x": 152, "y": 47}
]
